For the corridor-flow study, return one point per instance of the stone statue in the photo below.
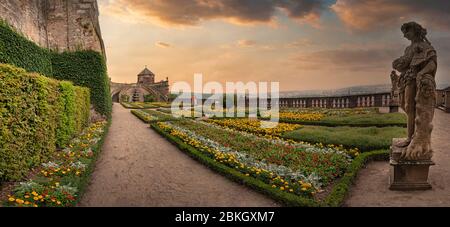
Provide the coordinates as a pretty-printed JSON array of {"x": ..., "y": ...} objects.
[{"x": 416, "y": 84}]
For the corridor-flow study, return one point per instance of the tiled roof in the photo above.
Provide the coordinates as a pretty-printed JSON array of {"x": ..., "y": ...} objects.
[{"x": 146, "y": 72}]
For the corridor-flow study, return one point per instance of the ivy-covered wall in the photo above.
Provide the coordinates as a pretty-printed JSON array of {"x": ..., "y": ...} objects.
[
  {"x": 19, "y": 51},
  {"x": 87, "y": 69},
  {"x": 37, "y": 114},
  {"x": 83, "y": 68}
]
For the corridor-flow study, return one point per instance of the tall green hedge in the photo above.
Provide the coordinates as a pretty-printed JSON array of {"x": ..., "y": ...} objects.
[
  {"x": 87, "y": 69},
  {"x": 83, "y": 68},
  {"x": 74, "y": 108},
  {"x": 36, "y": 114}
]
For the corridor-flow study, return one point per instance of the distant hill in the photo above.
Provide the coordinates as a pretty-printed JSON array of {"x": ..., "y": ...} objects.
[
  {"x": 356, "y": 90},
  {"x": 442, "y": 86}
]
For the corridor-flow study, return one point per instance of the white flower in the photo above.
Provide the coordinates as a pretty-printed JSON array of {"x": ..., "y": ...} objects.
[
  {"x": 50, "y": 165},
  {"x": 78, "y": 165}
]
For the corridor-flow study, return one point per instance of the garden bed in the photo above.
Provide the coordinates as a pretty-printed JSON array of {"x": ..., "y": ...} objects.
[
  {"x": 293, "y": 174},
  {"x": 357, "y": 120},
  {"x": 150, "y": 116},
  {"x": 62, "y": 181},
  {"x": 363, "y": 138},
  {"x": 342, "y": 117}
]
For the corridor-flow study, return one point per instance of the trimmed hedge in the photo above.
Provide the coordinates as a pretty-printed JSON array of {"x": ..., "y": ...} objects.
[
  {"x": 36, "y": 114},
  {"x": 340, "y": 190},
  {"x": 146, "y": 116},
  {"x": 357, "y": 120},
  {"x": 74, "y": 108},
  {"x": 83, "y": 68},
  {"x": 86, "y": 69},
  {"x": 363, "y": 138}
]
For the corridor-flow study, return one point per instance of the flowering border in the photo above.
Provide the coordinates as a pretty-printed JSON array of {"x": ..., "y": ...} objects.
[
  {"x": 49, "y": 194},
  {"x": 335, "y": 198},
  {"x": 286, "y": 198}
]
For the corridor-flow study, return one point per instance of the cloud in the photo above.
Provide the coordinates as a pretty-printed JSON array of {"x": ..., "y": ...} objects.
[
  {"x": 193, "y": 12},
  {"x": 301, "y": 43},
  {"x": 381, "y": 14},
  {"x": 246, "y": 43},
  {"x": 162, "y": 44},
  {"x": 356, "y": 60}
]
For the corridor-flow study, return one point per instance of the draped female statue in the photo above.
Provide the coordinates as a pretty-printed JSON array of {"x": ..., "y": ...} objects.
[{"x": 416, "y": 84}]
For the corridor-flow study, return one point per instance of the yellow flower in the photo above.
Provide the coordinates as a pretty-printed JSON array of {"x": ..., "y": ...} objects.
[
  {"x": 58, "y": 202},
  {"x": 11, "y": 199},
  {"x": 36, "y": 198},
  {"x": 291, "y": 190},
  {"x": 27, "y": 203},
  {"x": 27, "y": 196},
  {"x": 282, "y": 188},
  {"x": 40, "y": 197},
  {"x": 34, "y": 193},
  {"x": 34, "y": 205}
]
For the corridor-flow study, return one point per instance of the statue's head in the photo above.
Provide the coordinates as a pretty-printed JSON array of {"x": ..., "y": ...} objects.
[{"x": 414, "y": 31}]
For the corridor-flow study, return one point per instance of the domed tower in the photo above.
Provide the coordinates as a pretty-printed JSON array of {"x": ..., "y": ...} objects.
[{"x": 146, "y": 77}]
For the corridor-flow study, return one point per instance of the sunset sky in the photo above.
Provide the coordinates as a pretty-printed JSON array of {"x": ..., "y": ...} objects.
[{"x": 303, "y": 44}]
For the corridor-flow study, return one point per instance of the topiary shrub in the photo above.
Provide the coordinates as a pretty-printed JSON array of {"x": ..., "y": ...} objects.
[
  {"x": 124, "y": 98},
  {"x": 149, "y": 98}
]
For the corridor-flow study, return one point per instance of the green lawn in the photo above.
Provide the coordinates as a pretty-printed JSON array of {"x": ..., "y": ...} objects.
[
  {"x": 358, "y": 120},
  {"x": 365, "y": 138}
]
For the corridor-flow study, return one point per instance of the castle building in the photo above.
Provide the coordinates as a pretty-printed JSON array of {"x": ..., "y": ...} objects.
[
  {"x": 146, "y": 89},
  {"x": 146, "y": 77}
]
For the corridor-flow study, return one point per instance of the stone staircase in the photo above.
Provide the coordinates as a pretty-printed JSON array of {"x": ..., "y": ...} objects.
[{"x": 158, "y": 95}]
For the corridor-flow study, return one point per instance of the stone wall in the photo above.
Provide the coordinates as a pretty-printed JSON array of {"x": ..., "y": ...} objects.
[
  {"x": 56, "y": 24},
  {"x": 351, "y": 101},
  {"x": 26, "y": 16}
]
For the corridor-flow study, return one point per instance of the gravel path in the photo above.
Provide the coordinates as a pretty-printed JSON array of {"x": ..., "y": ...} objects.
[
  {"x": 139, "y": 168},
  {"x": 371, "y": 185}
]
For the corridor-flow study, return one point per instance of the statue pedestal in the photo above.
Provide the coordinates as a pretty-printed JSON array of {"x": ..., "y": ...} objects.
[
  {"x": 393, "y": 109},
  {"x": 407, "y": 175}
]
